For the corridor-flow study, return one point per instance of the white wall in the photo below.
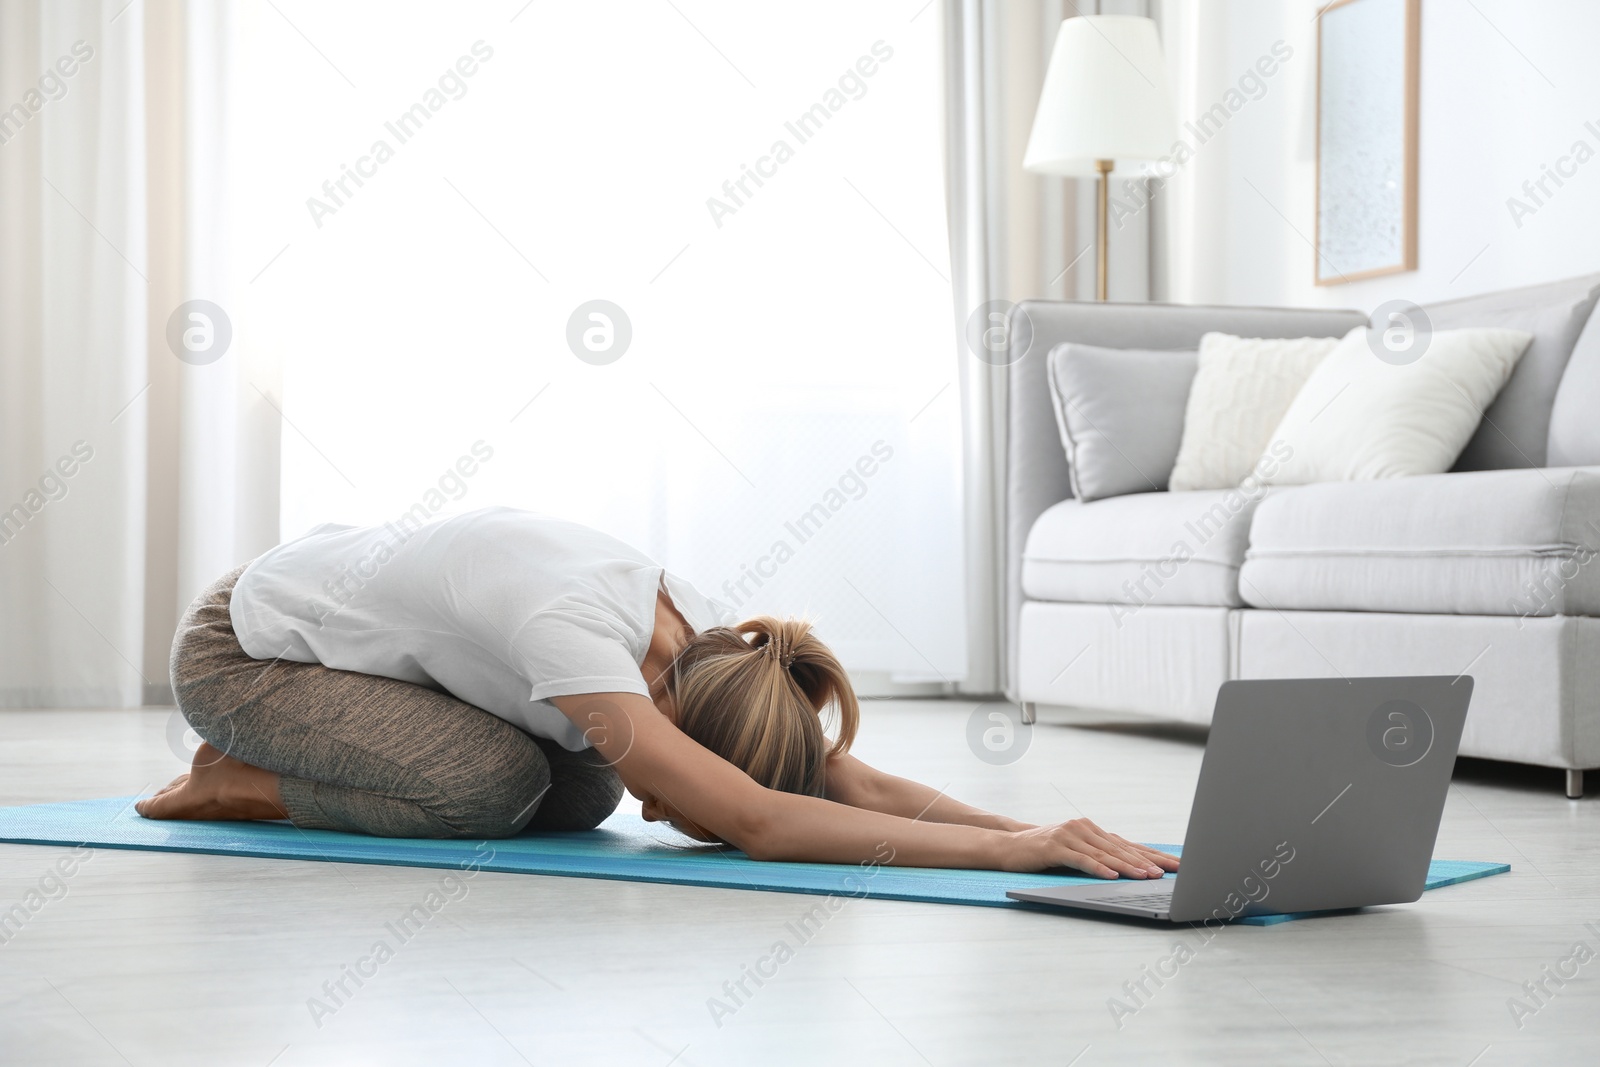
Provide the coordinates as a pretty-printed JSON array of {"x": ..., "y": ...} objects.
[{"x": 1507, "y": 87}]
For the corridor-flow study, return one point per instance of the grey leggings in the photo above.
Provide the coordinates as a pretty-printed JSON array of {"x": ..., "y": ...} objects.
[{"x": 376, "y": 755}]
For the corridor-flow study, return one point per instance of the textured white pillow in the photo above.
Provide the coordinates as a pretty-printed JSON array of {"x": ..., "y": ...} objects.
[
  {"x": 1359, "y": 417},
  {"x": 1240, "y": 392}
]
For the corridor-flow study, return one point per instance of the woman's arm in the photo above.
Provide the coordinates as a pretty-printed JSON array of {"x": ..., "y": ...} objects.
[
  {"x": 853, "y": 782},
  {"x": 654, "y": 758}
]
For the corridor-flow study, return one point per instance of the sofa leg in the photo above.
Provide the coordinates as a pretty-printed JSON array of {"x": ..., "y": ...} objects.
[
  {"x": 1574, "y": 783},
  {"x": 1030, "y": 714}
]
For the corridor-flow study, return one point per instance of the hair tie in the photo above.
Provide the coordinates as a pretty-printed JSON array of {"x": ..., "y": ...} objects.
[{"x": 778, "y": 651}]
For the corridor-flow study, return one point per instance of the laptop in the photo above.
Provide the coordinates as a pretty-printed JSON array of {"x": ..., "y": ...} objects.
[{"x": 1315, "y": 794}]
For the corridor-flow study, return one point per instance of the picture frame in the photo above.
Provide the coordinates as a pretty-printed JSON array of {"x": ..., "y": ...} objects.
[{"x": 1368, "y": 73}]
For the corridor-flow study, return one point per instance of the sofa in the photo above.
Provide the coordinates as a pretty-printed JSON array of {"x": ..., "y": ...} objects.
[{"x": 1487, "y": 570}]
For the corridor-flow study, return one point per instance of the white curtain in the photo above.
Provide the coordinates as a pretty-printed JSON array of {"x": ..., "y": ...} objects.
[
  {"x": 228, "y": 430},
  {"x": 1015, "y": 236},
  {"x": 73, "y": 276},
  {"x": 1191, "y": 209},
  {"x": 109, "y": 445},
  {"x": 977, "y": 260}
]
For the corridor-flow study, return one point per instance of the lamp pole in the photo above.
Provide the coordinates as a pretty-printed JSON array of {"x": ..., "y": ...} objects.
[{"x": 1102, "y": 231}]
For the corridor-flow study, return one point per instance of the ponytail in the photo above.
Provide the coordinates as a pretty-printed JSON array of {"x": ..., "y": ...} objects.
[{"x": 757, "y": 693}]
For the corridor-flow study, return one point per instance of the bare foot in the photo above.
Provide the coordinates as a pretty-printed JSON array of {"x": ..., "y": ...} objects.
[{"x": 217, "y": 787}]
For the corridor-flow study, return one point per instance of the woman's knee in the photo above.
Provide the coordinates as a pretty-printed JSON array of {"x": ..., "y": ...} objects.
[
  {"x": 599, "y": 799},
  {"x": 512, "y": 793},
  {"x": 584, "y": 794},
  {"x": 501, "y": 797}
]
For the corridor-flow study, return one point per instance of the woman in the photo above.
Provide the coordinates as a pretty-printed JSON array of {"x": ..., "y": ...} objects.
[{"x": 499, "y": 670}]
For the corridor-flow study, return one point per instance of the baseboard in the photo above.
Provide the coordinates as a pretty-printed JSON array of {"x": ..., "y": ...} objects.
[
  {"x": 882, "y": 684},
  {"x": 23, "y": 697}
]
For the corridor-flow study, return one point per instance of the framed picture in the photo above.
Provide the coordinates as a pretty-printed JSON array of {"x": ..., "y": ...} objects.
[{"x": 1367, "y": 70}]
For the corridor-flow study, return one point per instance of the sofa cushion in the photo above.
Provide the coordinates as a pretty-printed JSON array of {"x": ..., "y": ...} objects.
[
  {"x": 1145, "y": 548},
  {"x": 1359, "y": 417},
  {"x": 1516, "y": 426},
  {"x": 1120, "y": 413},
  {"x": 1512, "y": 542},
  {"x": 1242, "y": 387}
]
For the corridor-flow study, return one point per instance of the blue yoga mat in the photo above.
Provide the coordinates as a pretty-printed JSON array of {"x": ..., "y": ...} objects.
[{"x": 625, "y": 848}]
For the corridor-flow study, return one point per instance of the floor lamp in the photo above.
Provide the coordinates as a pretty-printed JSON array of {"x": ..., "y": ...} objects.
[{"x": 1104, "y": 102}]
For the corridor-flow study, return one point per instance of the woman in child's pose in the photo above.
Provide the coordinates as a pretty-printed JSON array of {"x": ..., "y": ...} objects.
[{"x": 499, "y": 670}]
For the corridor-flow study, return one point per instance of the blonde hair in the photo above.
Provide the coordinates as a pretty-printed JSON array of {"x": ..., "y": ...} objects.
[{"x": 755, "y": 694}]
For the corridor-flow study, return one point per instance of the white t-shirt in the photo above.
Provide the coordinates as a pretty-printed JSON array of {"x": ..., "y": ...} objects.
[{"x": 498, "y": 607}]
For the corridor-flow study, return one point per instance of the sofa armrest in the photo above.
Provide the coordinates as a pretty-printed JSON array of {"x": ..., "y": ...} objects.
[{"x": 1035, "y": 467}]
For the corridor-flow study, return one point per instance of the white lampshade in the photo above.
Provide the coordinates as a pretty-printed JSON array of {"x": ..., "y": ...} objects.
[{"x": 1105, "y": 97}]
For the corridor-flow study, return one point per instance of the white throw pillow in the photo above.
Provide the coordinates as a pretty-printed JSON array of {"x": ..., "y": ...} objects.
[
  {"x": 1240, "y": 392},
  {"x": 1359, "y": 417}
]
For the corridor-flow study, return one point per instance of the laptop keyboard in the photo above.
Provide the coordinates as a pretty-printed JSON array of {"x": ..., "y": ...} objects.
[{"x": 1135, "y": 900}]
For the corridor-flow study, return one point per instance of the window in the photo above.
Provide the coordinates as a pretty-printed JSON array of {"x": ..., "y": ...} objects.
[{"x": 428, "y": 199}]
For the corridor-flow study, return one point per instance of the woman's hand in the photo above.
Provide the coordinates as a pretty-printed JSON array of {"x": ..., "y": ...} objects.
[{"x": 1082, "y": 845}]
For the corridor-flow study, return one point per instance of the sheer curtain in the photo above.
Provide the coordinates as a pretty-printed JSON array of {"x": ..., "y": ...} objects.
[
  {"x": 129, "y": 477},
  {"x": 428, "y": 202},
  {"x": 73, "y": 280},
  {"x": 1017, "y": 236}
]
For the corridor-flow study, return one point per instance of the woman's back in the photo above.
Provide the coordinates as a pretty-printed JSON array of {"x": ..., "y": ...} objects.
[{"x": 499, "y": 607}]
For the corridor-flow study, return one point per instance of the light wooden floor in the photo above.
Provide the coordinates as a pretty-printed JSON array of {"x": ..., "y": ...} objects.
[{"x": 181, "y": 959}]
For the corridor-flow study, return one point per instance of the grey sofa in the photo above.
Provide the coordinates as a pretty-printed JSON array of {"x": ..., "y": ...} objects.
[{"x": 1488, "y": 570}]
